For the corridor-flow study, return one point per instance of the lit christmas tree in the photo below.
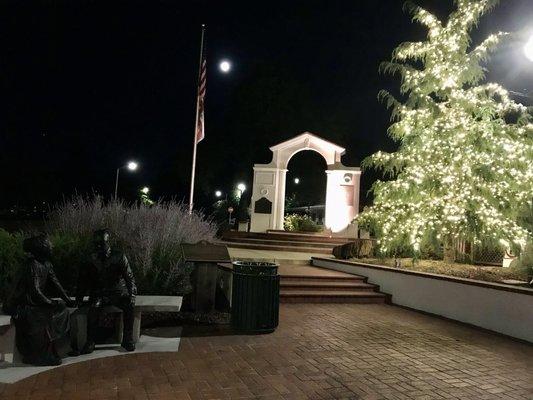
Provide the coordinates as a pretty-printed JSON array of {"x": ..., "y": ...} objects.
[{"x": 464, "y": 167}]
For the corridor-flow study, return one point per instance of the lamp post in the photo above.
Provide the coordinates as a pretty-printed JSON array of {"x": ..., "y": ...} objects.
[
  {"x": 230, "y": 211},
  {"x": 132, "y": 166}
]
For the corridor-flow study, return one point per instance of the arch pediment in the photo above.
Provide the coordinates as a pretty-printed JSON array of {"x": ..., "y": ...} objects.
[{"x": 283, "y": 152}]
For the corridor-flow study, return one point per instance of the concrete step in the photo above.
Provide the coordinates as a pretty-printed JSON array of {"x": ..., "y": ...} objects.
[
  {"x": 309, "y": 235},
  {"x": 298, "y": 249},
  {"x": 326, "y": 286},
  {"x": 332, "y": 296},
  {"x": 279, "y": 242},
  {"x": 322, "y": 278},
  {"x": 286, "y": 236}
]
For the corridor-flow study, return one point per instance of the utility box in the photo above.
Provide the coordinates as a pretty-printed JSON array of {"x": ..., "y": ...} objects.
[{"x": 205, "y": 258}]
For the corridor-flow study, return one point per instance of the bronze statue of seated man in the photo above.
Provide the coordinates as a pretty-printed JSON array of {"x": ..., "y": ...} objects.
[
  {"x": 108, "y": 280},
  {"x": 40, "y": 321}
]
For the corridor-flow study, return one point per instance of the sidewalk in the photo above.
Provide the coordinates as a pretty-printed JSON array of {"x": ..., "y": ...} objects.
[{"x": 319, "y": 351}]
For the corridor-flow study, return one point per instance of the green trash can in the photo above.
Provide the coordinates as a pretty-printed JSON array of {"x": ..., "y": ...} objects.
[{"x": 255, "y": 297}]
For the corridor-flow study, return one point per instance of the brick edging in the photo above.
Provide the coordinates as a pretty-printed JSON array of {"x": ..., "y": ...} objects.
[{"x": 465, "y": 281}]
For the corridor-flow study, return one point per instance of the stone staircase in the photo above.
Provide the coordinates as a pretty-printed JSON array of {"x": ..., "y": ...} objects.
[
  {"x": 300, "y": 282},
  {"x": 316, "y": 287},
  {"x": 283, "y": 241}
]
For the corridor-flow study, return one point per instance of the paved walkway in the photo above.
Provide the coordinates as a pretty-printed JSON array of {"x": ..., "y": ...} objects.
[{"x": 320, "y": 351}]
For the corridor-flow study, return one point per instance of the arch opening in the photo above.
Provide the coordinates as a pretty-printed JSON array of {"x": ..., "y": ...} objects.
[{"x": 305, "y": 191}]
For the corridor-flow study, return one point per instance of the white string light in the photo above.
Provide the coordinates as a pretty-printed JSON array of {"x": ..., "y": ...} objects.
[{"x": 464, "y": 167}]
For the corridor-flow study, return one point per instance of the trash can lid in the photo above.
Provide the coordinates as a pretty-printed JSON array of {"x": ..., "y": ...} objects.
[{"x": 255, "y": 268}]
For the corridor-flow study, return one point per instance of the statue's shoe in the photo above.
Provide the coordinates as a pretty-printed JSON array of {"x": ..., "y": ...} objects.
[
  {"x": 128, "y": 346},
  {"x": 88, "y": 348},
  {"x": 43, "y": 361}
]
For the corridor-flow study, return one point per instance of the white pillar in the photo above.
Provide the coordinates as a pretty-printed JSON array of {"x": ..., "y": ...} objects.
[
  {"x": 280, "y": 199},
  {"x": 269, "y": 184},
  {"x": 342, "y": 201}
]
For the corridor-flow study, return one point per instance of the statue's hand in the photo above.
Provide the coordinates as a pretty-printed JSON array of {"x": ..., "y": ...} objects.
[
  {"x": 71, "y": 303},
  {"x": 58, "y": 302}
]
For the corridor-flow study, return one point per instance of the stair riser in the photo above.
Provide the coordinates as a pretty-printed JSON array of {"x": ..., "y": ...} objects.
[
  {"x": 321, "y": 279},
  {"x": 310, "y": 236},
  {"x": 284, "y": 237},
  {"x": 280, "y": 248},
  {"x": 351, "y": 300},
  {"x": 327, "y": 288},
  {"x": 279, "y": 242}
]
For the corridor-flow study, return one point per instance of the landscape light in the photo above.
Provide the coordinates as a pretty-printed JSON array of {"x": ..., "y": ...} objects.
[
  {"x": 218, "y": 193},
  {"x": 241, "y": 187},
  {"x": 145, "y": 190}
]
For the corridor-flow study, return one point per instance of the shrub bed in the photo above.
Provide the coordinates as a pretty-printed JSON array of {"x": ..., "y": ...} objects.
[
  {"x": 149, "y": 235},
  {"x": 482, "y": 273},
  {"x": 300, "y": 223}
]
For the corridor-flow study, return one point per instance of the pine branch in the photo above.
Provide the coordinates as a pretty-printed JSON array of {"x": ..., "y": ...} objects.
[
  {"x": 481, "y": 52},
  {"x": 389, "y": 67},
  {"x": 390, "y": 102},
  {"x": 410, "y": 50},
  {"x": 422, "y": 16}
]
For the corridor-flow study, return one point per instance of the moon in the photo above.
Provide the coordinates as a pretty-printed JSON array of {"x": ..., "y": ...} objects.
[{"x": 224, "y": 66}]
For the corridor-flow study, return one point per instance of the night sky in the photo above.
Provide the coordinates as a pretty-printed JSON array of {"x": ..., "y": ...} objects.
[{"x": 88, "y": 85}]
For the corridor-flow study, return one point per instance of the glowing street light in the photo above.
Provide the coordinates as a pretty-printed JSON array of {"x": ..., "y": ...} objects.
[
  {"x": 241, "y": 187},
  {"x": 528, "y": 49},
  {"x": 297, "y": 180},
  {"x": 145, "y": 190},
  {"x": 218, "y": 193},
  {"x": 224, "y": 66},
  {"x": 132, "y": 166}
]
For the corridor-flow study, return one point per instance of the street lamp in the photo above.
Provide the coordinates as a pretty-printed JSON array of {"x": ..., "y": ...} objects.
[
  {"x": 145, "y": 190},
  {"x": 132, "y": 166},
  {"x": 218, "y": 193},
  {"x": 296, "y": 180},
  {"x": 528, "y": 49},
  {"x": 241, "y": 187}
]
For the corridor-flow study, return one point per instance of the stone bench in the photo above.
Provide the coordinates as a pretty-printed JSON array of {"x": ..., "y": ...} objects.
[
  {"x": 153, "y": 304},
  {"x": 8, "y": 351},
  {"x": 142, "y": 304}
]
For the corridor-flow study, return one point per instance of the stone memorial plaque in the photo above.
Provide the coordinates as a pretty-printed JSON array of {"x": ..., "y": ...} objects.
[{"x": 263, "y": 206}]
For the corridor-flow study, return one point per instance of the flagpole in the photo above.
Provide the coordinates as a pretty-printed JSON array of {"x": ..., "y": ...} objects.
[{"x": 195, "y": 140}]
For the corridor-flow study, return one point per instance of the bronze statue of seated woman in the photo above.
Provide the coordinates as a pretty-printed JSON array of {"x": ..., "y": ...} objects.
[{"x": 40, "y": 321}]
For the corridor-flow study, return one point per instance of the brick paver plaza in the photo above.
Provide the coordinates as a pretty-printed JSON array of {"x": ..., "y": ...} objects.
[{"x": 320, "y": 351}]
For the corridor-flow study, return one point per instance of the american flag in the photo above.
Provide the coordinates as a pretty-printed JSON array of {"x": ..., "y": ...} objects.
[{"x": 200, "y": 134}]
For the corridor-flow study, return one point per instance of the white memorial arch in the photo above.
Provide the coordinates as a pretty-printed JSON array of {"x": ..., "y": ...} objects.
[{"x": 342, "y": 192}]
